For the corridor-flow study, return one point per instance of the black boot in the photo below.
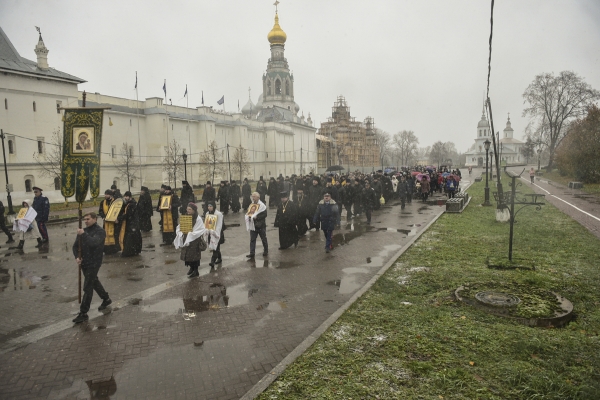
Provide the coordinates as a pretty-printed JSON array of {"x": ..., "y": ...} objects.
[
  {"x": 194, "y": 273},
  {"x": 21, "y": 243},
  {"x": 190, "y": 271},
  {"x": 10, "y": 240},
  {"x": 40, "y": 243}
]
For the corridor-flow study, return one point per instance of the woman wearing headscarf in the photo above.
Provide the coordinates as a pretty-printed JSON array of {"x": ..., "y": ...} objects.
[
  {"x": 189, "y": 243},
  {"x": 213, "y": 223},
  {"x": 25, "y": 226}
]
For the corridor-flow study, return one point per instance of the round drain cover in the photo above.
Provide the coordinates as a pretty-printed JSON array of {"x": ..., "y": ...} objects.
[{"x": 497, "y": 299}]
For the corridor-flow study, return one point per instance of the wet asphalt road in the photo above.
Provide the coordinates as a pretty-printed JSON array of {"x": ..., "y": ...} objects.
[{"x": 247, "y": 315}]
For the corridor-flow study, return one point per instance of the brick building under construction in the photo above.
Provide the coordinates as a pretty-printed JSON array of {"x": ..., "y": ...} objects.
[{"x": 344, "y": 141}]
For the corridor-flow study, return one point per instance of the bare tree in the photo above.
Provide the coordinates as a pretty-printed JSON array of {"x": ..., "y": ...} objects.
[
  {"x": 240, "y": 161},
  {"x": 383, "y": 141},
  {"x": 406, "y": 144},
  {"x": 173, "y": 162},
  {"x": 126, "y": 164},
  {"x": 49, "y": 160},
  {"x": 443, "y": 152},
  {"x": 211, "y": 162},
  {"x": 553, "y": 102}
]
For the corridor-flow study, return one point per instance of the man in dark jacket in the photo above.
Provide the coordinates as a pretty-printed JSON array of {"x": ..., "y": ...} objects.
[
  {"x": 246, "y": 193},
  {"x": 260, "y": 226},
  {"x": 328, "y": 214},
  {"x": 131, "y": 238},
  {"x": 3, "y": 225},
  {"x": 41, "y": 205},
  {"x": 223, "y": 196},
  {"x": 92, "y": 246},
  {"x": 234, "y": 196},
  {"x": 369, "y": 200},
  {"x": 402, "y": 191},
  {"x": 209, "y": 196}
]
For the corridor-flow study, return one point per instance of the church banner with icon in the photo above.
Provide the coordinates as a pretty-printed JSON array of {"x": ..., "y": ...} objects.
[{"x": 82, "y": 141}]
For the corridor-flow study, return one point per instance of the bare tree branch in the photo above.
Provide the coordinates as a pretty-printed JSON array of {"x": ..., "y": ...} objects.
[
  {"x": 240, "y": 158},
  {"x": 126, "y": 164},
  {"x": 173, "y": 162},
  {"x": 211, "y": 162}
]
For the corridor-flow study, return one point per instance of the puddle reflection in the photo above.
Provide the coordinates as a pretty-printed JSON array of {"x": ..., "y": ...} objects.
[{"x": 10, "y": 279}]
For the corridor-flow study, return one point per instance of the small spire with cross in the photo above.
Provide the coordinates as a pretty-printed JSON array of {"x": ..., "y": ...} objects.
[
  {"x": 276, "y": 4},
  {"x": 509, "y": 116},
  {"x": 249, "y": 97}
]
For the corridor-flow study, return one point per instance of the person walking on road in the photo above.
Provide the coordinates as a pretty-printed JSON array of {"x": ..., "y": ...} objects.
[
  {"x": 191, "y": 243},
  {"x": 41, "y": 205},
  {"x": 256, "y": 225},
  {"x": 3, "y": 225},
  {"x": 532, "y": 174},
  {"x": 328, "y": 214},
  {"x": 90, "y": 261},
  {"x": 369, "y": 200},
  {"x": 213, "y": 222},
  {"x": 402, "y": 191},
  {"x": 26, "y": 225}
]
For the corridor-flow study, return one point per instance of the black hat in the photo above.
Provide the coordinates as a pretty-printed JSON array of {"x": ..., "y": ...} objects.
[
  {"x": 37, "y": 188},
  {"x": 108, "y": 191},
  {"x": 184, "y": 183},
  {"x": 127, "y": 193},
  {"x": 145, "y": 188},
  {"x": 284, "y": 194},
  {"x": 208, "y": 182},
  {"x": 113, "y": 187},
  {"x": 211, "y": 203},
  {"x": 163, "y": 186},
  {"x": 245, "y": 179},
  {"x": 167, "y": 187},
  {"x": 327, "y": 193}
]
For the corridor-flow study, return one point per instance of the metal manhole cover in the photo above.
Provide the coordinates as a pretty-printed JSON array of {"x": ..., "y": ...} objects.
[{"x": 497, "y": 299}]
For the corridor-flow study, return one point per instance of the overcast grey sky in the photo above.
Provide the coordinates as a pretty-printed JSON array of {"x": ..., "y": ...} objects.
[{"x": 418, "y": 65}]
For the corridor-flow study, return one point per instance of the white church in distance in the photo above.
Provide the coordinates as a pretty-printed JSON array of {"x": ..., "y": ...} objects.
[
  {"x": 510, "y": 148},
  {"x": 277, "y": 140}
]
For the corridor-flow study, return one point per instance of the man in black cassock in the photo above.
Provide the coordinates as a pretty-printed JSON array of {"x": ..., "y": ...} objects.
[
  {"x": 234, "y": 197},
  {"x": 223, "y": 197},
  {"x": 130, "y": 237},
  {"x": 145, "y": 210},
  {"x": 305, "y": 210},
  {"x": 209, "y": 196},
  {"x": 161, "y": 192},
  {"x": 286, "y": 220},
  {"x": 246, "y": 192},
  {"x": 187, "y": 197},
  {"x": 273, "y": 192}
]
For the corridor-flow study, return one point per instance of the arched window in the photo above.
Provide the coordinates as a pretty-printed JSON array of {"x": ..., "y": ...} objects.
[
  {"x": 34, "y": 108},
  {"x": 277, "y": 86},
  {"x": 57, "y": 183},
  {"x": 287, "y": 88},
  {"x": 11, "y": 147},
  {"x": 28, "y": 185},
  {"x": 269, "y": 87}
]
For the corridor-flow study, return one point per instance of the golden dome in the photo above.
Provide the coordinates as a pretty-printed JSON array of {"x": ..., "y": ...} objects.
[{"x": 277, "y": 35}]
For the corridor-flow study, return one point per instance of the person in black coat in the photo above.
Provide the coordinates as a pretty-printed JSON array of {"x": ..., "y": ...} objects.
[
  {"x": 145, "y": 210},
  {"x": 402, "y": 191},
  {"x": 246, "y": 192},
  {"x": 260, "y": 227},
  {"x": 130, "y": 237},
  {"x": 90, "y": 260},
  {"x": 223, "y": 197},
  {"x": 328, "y": 214},
  {"x": 187, "y": 196},
  {"x": 209, "y": 195},
  {"x": 170, "y": 217},
  {"x": 234, "y": 197},
  {"x": 286, "y": 220},
  {"x": 261, "y": 189},
  {"x": 273, "y": 192},
  {"x": 3, "y": 225},
  {"x": 369, "y": 200},
  {"x": 305, "y": 211}
]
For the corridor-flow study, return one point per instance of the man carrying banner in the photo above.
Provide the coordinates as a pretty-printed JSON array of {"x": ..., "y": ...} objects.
[
  {"x": 92, "y": 239},
  {"x": 256, "y": 225}
]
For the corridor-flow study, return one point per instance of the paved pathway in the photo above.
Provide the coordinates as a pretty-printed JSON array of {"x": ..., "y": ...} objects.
[{"x": 249, "y": 315}]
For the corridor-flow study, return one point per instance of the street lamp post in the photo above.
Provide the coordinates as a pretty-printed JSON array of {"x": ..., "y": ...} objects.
[
  {"x": 486, "y": 144},
  {"x": 184, "y": 165},
  {"x": 8, "y": 198},
  {"x": 539, "y": 151}
]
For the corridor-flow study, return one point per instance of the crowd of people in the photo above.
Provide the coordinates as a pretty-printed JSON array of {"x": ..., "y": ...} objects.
[{"x": 301, "y": 203}]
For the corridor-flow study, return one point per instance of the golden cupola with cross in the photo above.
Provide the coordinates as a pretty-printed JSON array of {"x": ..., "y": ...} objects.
[{"x": 277, "y": 35}]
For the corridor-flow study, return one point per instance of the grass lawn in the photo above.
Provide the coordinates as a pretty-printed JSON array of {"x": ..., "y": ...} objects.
[
  {"x": 408, "y": 338},
  {"x": 593, "y": 188}
]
